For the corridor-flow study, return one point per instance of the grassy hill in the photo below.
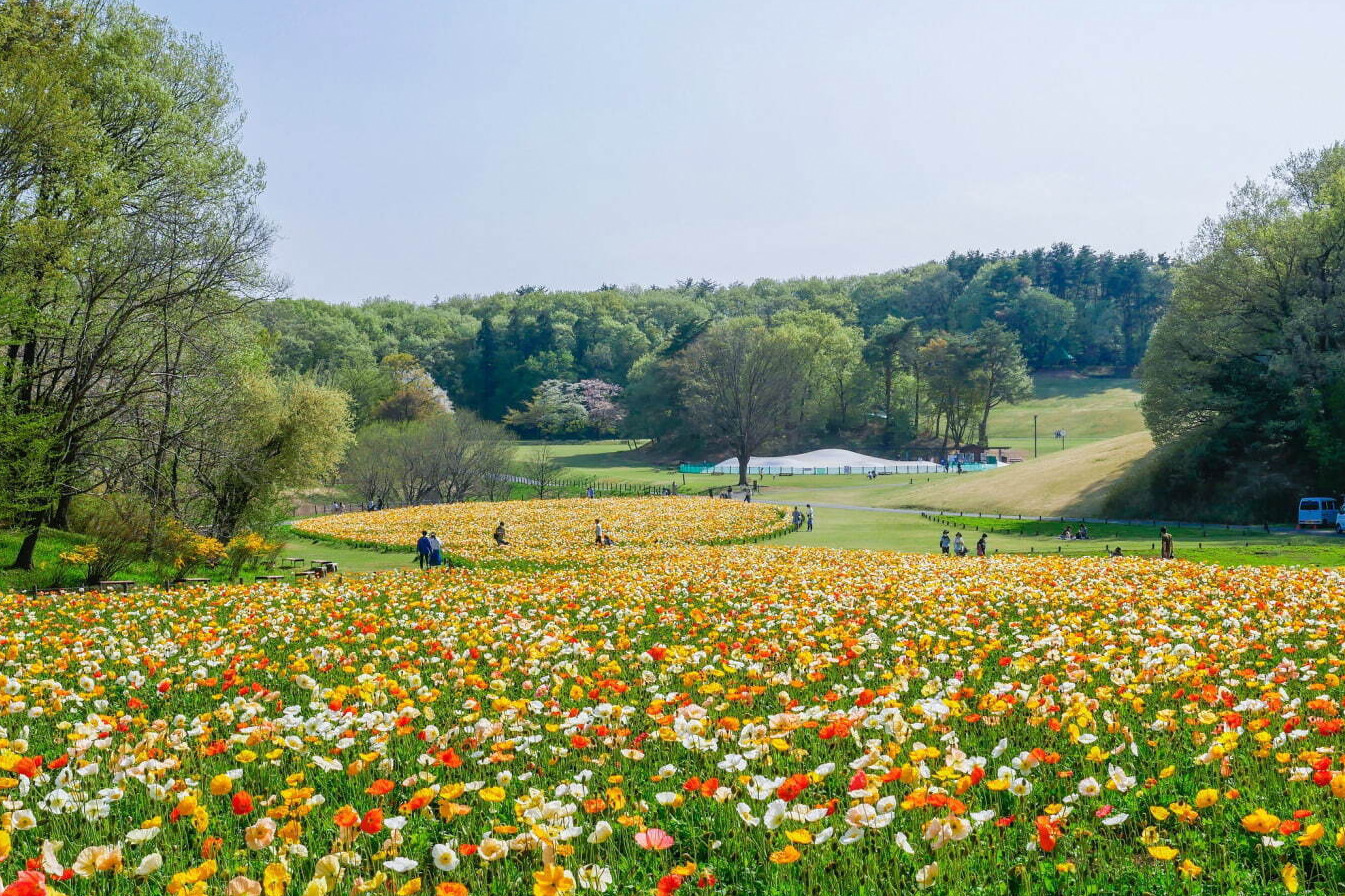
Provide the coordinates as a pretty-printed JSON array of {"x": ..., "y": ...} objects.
[
  {"x": 1088, "y": 409},
  {"x": 1072, "y": 482}
]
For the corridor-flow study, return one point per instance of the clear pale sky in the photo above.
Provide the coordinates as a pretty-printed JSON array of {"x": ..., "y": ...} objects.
[{"x": 433, "y": 148}]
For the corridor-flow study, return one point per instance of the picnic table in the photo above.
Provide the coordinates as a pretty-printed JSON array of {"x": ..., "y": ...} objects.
[
  {"x": 195, "y": 581},
  {"x": 123, "y": 584},
  {"x": 269, "y": 578},
  {"x": 325, "y": 565},
  {"x": 305, "y": 573},
  {"x": 291, "y": 562}
]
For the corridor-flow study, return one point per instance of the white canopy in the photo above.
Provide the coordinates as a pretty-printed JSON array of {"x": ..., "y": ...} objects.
[{"x": 827, "y": 460}]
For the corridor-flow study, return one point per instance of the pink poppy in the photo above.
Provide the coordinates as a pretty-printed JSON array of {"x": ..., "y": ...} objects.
[{"x": 654, "y": 838}]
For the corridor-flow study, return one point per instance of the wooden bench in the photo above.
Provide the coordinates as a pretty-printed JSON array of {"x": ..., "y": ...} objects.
[
  {"x": 305, "y": 574},
  {"x": 293, "y": 561},
  {"x": 270, "y": 578},
  {"x": 123, "y": 584},
  {"x": 195, "y": 581},
  {"x": 325, "y": 565}
]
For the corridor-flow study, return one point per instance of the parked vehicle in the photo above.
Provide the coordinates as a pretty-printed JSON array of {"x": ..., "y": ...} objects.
[{"x": 1318, "y": 513}]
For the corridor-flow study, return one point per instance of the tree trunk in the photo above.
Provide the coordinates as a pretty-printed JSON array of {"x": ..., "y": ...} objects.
[
  {"x": 915, "y": 429},
  {"x": 32, "y": 528},
  {"x": 743, "y": 458},
  {"x": 60, "y": 516}
]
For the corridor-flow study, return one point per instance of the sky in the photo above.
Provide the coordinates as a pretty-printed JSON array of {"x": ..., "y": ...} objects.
[{"x": 423, "y": 148}]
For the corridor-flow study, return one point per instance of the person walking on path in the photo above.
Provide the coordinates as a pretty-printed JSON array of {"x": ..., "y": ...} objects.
[
  {"x": 436, "y": 550},
  {"x": 810, "y": 516},
  {"x": 980, "y": 545},
  {"x": 796, "y": 518},
  {"x": 1166, "y": 538},
  {"x": 944, "y": 541},
  {"x": 423, "y": 549},
  {"x": 959, "y": 546}
]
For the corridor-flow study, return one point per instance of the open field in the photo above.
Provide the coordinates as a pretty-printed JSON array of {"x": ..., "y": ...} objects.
[
  {"x": 754, "y": 720},
  {"x": 1088, "y": 409}
]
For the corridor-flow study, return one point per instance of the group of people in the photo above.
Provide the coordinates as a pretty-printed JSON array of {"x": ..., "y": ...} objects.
[
  {"x": 429, "y": 550},
  {"x": 800, "y": 518},
  {"x": 958, "y": 547},
  {"x": 1071, "y": 534}
]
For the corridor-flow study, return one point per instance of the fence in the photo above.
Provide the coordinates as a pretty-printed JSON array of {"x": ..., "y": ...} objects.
[{"x": 913, "y": 468}]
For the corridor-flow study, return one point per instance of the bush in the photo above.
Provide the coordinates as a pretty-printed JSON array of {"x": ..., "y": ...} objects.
[
  {"x": 249, "y": 549},
  {"x": 179, "y": 551},
  {"x": 118, "y": 525}
]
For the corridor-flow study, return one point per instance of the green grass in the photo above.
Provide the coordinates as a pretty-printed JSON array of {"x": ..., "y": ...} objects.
[
  {"x": 1088, "y": 409},
  {"x": 908, "y": 532},
  {"x": 50, "y": 573},
  {"x": 1210, "y": 544}
]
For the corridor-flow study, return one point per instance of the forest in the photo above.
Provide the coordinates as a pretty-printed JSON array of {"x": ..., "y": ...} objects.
[{"x": 882, "y": 358}]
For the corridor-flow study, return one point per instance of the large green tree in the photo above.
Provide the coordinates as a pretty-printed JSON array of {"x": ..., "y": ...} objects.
[
  {"x": 128, "y": 231},
  {"x": 741, "y": 381},
  {"x": 1244, "y": 379}
]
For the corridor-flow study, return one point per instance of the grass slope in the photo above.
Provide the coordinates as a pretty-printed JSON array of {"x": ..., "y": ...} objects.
[
  {"x": 1073, "y": 482},
  {"x": 1087, "y": 409}
]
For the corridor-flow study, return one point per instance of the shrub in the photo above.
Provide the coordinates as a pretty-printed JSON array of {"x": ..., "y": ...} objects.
[
  {"x": 179, "y": 551},
  {"x": 118, "y": 525},
  {"x": 249, "y": 549}
]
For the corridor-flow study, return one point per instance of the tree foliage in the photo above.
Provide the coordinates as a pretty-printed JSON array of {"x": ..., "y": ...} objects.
[{"x": 1244, "y": 379}]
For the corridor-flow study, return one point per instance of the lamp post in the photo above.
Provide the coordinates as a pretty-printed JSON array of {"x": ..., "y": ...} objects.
[{"x": 1034, "y": 435}]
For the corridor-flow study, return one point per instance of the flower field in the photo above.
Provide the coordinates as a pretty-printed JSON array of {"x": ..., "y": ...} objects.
[
  {"x": 556, "y": 530},
  {"x": 745, "y": 720}
]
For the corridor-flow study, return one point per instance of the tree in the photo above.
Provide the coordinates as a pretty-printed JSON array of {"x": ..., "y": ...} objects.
[
  {"x": 1042, "y": 324},
  {"x": 741, "y": 380},
  {"x": 1247, "y": 368},
  {"x": 416, "y": 395},
  {"x": 277, "y": 434},
  {"x": 541, "y": 471},
  {"x": 892, "y": 343},
  {"x": 950, "y": 363},
  {"x": 1000, "y": 373},
  {"x": 129, "y": 213}
]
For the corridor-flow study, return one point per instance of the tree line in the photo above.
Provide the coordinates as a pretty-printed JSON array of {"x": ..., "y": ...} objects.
[
  {"x": 1244, "y": 379},
  {"x": 892, "y": 357}
]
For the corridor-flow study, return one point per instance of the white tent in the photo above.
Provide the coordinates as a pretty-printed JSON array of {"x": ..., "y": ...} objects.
[{"x": 826, "y": 460}]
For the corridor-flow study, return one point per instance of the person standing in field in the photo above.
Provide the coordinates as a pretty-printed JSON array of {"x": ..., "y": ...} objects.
[
  {"x": 980, "y": 545},
  {"x": 959, "y": 546},
  {"x": 423, "y": 549},
  {"x": 500, "y": 538},
  {"x": 1166, "y": 538},
  {"x": 810, "y": 516},
  {"x": 944, "y": 541},
  {"x": 436, "y": 550},
  {"x": 597, "y": 533}
]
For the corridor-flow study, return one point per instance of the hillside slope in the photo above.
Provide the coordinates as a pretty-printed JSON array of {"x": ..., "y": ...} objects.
[{"x": 1072, "y": 482}]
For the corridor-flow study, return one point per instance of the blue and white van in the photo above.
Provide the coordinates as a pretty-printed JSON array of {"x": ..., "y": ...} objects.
[{"x": 1318, "y": 513}]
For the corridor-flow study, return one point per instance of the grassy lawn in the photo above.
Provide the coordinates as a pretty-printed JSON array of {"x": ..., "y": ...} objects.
[
  {"x": 49, "y": 572},
  {"x": 837, "y": 528},
  {"x": 1088, "y": 409},
  {"x": 351, "y": 559}
]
